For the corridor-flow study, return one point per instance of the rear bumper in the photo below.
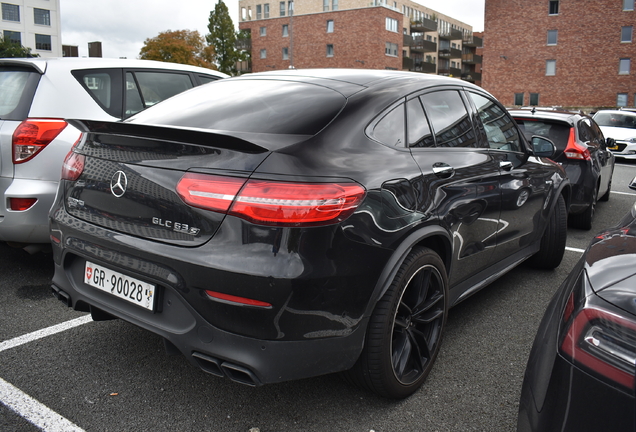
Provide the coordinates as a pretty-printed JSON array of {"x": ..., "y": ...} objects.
[{"x": 28, "y": 226}]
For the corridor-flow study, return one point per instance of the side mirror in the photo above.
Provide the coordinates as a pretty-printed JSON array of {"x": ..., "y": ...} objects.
[
  {"x": 632, "y": 184},
  {"x": 543, "y": 147},
  {"x": 610, "y": 143}
]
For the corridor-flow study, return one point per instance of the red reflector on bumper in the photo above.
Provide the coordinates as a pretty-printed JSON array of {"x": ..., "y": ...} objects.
[
  {"x": 226, "y": 298},
  {"x": 21, "y": 204}
]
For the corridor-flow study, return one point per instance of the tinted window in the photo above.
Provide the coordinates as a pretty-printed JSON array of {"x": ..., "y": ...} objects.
[
  {"x": 500, "y": 128},
  {"x": 158, "y": 86},
  {"x": 449, "y": 119},
  {"x": 242, "y": 105},
  {"x": 390, "y": 129},
  {"x": 558, "y": 133},
  {"x": 589, "y": 132},
  {"x": 206, "y": 78},
  {"x": 419, "y": 131},
  {"x": 105, "y": 86}
]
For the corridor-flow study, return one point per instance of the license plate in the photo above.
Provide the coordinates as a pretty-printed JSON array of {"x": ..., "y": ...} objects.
[
  {"x": 613, "y": 148},
  {"x": 130, "y": 289}
]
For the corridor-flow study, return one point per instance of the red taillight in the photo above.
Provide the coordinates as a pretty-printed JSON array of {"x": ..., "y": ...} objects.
[
  {"x": 32, "y": 135},
  {"x": 73, "y": 166},
  {"x": 227, "y": 298},
  {"x": 603, "y": 342},
  {"x": 21, "y": 204},
  {"x": 272, "y": 202},
  {"x": 574, "y": 150}
]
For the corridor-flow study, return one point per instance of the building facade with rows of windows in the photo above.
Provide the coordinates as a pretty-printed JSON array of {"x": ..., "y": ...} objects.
[
  {"x": 569, "y": 53},
  {"x": 34, "y": 24},
  {"x": 372, "y": 34}
]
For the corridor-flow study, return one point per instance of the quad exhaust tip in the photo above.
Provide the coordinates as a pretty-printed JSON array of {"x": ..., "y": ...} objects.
[{"x": 221, "y": 368}]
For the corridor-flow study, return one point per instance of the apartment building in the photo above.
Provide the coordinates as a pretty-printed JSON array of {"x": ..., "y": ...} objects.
[
  {"x": 570, "y": 53},
  {"x": 372, "y": 34},
  {"x": 34, "y": 24}
]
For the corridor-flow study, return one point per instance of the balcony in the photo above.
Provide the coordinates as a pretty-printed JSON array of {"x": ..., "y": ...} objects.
[
  {"x": 424, "y": 25},
  {"x": 424, "y": 67},
  {"x": 471, "y": 58},
  {"x": 449, "y": 71},
  {"x": 471, "y": 76},
  {"x": 450, "y": 53},
  {"x": 243, "y": 44},
  {"x": 407, "y": 63},
  {"x": 419, "y": 44},
  {"x": 473, "y": 41},
  {"x": 451, "y": 35},
  {"x": 244, "y": 66}
]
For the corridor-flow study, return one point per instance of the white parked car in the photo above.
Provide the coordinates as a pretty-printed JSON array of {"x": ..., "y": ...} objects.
[
  {"x": 621, "y": 126},
  {"x": 36, "y": 95}
]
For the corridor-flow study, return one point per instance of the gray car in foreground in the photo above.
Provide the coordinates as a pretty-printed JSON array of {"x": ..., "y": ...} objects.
[{"x": 36, "y": 95}]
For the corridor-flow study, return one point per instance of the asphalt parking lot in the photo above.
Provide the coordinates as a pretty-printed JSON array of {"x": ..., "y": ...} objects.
[{"x": 63, "y": 372}]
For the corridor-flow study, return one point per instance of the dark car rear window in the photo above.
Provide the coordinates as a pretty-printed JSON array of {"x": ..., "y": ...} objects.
[
  {"x": 558, "y": 133},
  {"x": 261, "y": 106},
  {"x": 17, "y": 87}
]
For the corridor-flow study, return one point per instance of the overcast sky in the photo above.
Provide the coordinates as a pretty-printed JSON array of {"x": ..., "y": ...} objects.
[{"x": 123, "y": 25}]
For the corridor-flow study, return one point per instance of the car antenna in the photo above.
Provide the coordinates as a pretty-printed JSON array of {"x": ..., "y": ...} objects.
[{"x": 534, "y": 109}]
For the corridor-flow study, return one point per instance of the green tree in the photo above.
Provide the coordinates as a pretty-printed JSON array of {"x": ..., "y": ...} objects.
[
  {"x": 223, "y": 38},
  {"x": 9, "y": 48},
  {"x": 179, "y": 46}
]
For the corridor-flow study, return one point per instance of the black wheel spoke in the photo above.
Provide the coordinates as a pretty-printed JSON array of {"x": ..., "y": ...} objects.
[{"x": 401, "y": 354}]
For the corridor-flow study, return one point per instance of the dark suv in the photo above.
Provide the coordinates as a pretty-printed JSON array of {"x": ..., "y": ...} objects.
[
  {"x": 283, "y": 225},
  {"x": 581, "y": 150}
]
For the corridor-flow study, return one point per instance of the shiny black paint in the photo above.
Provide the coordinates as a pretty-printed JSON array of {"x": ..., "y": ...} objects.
[
  {"x": 322, "y": 282},
  {"x": 557, "y": 395}
]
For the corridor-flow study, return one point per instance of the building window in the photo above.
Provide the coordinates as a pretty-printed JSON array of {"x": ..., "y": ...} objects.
[
  {"x": 626, "y": 33},
  {"x": 266, "y": 10},
  {"x": 259, "y": 12},
  {"x": 285, "y": 30},
  {"x": 263, "y": 53},
  {"x": 325, "y": 5},
  {"x": 243, "y": 14},
  {"x": 621, "y": 100},
  {"x": 263, "y": 31},
  {"x": 534, "y": 99},
  {"x": 285, "y": 53},
  {"x": 392, "y": 24},
  {"x": 553, "y": 6},
  {"x": 628, "y": 5},
  {"x": 391, "y": 49},
  {"x": 10, "y": 12},
  {"x": 329, "y": 26},
  {"x": 43, "y": 42},
  {"x": 518, "y": 98},
  {"x": 249, "y": 13},
  {"x": 550, "y": 67},
  {"x": 334, "y": 5},
  {"x": 329, "y": 50},
  {"x": 624, "y": 66},
  {"x": 42, "y": 16},
  {"x": 282, "y": 8},
  {"x": 13, "y": 36},
  {"x": 552, "y": 37},
  {"x": 290, "y": 8}
]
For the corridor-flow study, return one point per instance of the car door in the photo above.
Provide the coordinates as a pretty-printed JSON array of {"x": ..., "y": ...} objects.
[
  {"x": 602, "y": 158},
  {"x": 459, "y": 177},
  {"x": 525, "y": 181}
]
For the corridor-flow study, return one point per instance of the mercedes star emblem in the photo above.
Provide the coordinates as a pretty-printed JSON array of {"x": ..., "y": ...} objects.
[{"x": 118, "y": 184}]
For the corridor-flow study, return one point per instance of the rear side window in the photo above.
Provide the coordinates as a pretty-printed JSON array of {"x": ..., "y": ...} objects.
[
  {"x": 244, "y": 105},
  {"x": 145, "y": 89},
  {"x": 104, "y": 86},
  {"x": 558, "y": 133},
  {"x": 17, "y": 87},
  {"x": 501, "y": 131},
  {"x": 390, "y": 129},
  {"x": 449, "y": 119}
]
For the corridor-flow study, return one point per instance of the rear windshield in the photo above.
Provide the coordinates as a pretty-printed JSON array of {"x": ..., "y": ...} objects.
[
  {"x": 17, "y": 87},
  {"x": 616, "y": 120},
  {"x": 261, "y": 106},
  {"x": 558, "y": 133}
]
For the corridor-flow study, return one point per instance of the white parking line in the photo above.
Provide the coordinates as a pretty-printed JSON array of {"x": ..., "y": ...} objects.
[
  {"x": 30, "y": 337},
  {"x": 624, "y": 193},
  {"x": 33, "y": 411},
  {"x": 571, "y": 249},
  {"x": 23, "y": 404}
]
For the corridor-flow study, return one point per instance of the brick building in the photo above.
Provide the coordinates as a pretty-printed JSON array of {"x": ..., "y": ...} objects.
[
  {"x": 570, "y": 53},
  {"x": 34, "y": 24},
  {"x": 375, "y": 34}
]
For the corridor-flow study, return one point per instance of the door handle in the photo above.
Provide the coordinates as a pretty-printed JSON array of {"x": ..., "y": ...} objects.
[
  {"x": 506, "y": 165},
  {"x": 443, "y": 170}
]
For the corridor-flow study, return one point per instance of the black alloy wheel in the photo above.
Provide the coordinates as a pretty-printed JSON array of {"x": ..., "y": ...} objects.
[
  {"x": 406, "y": 328},
  {"x": 552, "y": 246}
]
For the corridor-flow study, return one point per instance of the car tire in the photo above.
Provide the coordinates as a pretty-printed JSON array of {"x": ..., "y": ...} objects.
[
  {"x": 606, "y": 195},
  {"x": 554, "y": 237},
  {"x": 584, "y": 219},
  {"x": 405, "y": 330}
]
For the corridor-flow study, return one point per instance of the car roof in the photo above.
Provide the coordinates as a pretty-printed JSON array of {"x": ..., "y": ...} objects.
[
  {"x": 567, "y": 116},
  {"x": 71, "y": 63}
]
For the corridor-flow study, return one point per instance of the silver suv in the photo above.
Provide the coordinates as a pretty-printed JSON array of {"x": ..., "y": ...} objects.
[{"x": 36, "y": 95}]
